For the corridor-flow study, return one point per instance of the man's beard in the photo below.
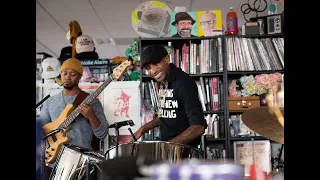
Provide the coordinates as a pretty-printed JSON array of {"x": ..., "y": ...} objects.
[
  {"x": 185, "y": 32},
  {"x": 68, "y": 86}
]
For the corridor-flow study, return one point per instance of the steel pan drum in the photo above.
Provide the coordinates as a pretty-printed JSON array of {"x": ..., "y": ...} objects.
[
  {"x": 72, "y": 162},
  {"x": 155, "y": 150}
]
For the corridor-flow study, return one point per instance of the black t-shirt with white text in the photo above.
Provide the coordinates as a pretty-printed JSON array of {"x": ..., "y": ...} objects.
[{"x": 182, "y": 107}]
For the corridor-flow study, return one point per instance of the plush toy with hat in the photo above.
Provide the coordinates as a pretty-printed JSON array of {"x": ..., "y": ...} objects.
[
  {"x": 74, "y": 31},
  {"x": 72, "y": 34}
]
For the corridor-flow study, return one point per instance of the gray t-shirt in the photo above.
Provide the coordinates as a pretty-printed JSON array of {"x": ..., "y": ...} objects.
[{"x": 81, "y": 131}]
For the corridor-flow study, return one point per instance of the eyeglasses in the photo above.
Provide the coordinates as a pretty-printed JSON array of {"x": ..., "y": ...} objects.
[{"x": 207, "y": 23}]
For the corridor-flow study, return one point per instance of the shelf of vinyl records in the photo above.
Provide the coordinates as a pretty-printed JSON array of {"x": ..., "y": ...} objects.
[
  {"x": 255, "y": 55},
  {"x": 199, "y": 57},
  {"x": 202, "y": 57}
]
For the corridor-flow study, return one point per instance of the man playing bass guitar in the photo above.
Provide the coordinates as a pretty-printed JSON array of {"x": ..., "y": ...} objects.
[{"x": 91, "y": 121}]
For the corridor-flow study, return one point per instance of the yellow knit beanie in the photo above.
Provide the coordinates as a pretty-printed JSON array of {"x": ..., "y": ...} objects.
[{"x": 72, "y": 63}]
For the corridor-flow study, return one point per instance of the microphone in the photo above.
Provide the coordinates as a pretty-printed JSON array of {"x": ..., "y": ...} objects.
[{"x": 122, "y": 123}]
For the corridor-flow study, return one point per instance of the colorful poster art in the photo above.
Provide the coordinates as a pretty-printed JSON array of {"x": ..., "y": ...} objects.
[
  {"x": 209, "y": 23},
  {"x": 183, "y": 24},
  {"x": 121, "y": 100},
  {"x": 196, "y": 23}
]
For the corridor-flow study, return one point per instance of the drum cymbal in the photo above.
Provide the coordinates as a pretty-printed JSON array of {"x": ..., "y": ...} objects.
[{"x": 264, "y": 123}]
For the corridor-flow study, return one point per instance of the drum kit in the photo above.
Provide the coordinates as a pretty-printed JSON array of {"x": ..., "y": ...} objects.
[{"x": 76, "y": 163}]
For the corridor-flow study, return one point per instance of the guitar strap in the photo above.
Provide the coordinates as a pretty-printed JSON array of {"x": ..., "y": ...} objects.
[{"x": 80, "y": 98}]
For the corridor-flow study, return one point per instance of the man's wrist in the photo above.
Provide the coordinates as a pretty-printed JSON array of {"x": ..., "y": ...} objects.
[
  {"x": 142, "y": 130},
  {"x": 92, "y": 118}
]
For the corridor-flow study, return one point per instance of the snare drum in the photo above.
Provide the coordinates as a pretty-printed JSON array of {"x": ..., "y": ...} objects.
[
  {"x": 156, "y": 150},
  {"x": 72, "y": 162}
]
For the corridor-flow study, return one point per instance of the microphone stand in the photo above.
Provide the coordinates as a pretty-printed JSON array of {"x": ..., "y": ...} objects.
[
  {"x": 117, "y": 138},
  {"x": 280, "y": 165},
  {"x": 135, "y": 139},
  {"x": 117, "y": 126},
  {"x": 42, "y": 101}
]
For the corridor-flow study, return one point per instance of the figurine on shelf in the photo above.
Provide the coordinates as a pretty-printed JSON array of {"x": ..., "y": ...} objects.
[
  {"x": 133, "y": 51},
  {"x": 132, "y": 73}
]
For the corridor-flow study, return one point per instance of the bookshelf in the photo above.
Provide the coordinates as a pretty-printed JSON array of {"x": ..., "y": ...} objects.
[{"x": 225, "y": 140}]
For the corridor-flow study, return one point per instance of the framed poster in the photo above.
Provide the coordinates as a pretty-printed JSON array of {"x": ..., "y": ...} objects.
[
  {"x": 184, "y": 24},
  {"x": 209, "y": 23},
  {"x": 121, "y": 101}
]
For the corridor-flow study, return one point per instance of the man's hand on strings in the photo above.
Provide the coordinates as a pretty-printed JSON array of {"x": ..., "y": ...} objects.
[{"x": 86, "y": 110}]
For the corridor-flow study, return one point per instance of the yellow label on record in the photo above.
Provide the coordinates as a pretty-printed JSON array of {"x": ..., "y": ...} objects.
[
  {"x": 159, "y": 4},
  {"x": 135, "y": 17}
]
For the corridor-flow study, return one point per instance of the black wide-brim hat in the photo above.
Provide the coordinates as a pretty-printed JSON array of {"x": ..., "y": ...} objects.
[{"x": 182, "y": 16}]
